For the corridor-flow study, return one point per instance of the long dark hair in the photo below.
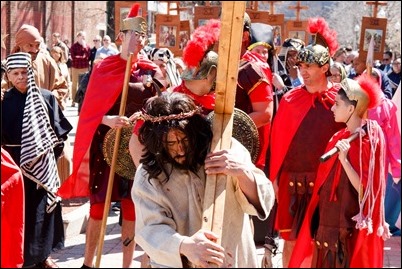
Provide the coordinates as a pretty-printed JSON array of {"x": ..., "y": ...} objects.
[{"x": 152, "y": 134}]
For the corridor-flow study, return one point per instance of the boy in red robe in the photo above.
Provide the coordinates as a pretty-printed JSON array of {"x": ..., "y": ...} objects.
[{"x": 346, "y": 214}]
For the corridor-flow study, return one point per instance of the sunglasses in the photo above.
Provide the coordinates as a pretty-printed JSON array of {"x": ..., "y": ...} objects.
[
  {"x": 386, "y": 59},
  {"x": 96, "y": 40}
]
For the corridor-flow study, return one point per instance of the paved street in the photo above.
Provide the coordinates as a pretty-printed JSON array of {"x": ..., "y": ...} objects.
[{"x": 72, "y": 255}]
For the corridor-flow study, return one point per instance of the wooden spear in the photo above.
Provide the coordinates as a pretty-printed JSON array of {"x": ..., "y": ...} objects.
[{"x": 114, "y": 159}]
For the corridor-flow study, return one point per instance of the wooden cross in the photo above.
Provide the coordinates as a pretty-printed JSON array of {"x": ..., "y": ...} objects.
[
  {"x": 226, "y": 81},
  {"x": 298, "y": 7},
  {"x": 174, "y": 6},
  {"x": 272, "y": 6},
  {"x": 375, "y": 8}
]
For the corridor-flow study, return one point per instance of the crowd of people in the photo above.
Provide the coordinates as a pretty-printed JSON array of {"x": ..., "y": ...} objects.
[{"x": 328, "y": 141}]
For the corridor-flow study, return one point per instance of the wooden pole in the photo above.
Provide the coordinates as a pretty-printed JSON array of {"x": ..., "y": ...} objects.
[
  {"x": 226, "y": 81},
  {"x": 114, "y": 159}
]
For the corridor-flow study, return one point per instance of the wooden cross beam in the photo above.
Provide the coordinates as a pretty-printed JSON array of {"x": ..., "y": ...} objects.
[
  {"x": 173, "y": 7},
  {"x": 272, "y": 6},
  {"x": 229, "y": 52},
  {"x": 298, "y": 7},
  {"x": 375, "y": 5}
]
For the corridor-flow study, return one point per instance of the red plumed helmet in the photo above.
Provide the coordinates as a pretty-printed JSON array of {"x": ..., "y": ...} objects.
[
  {"x": 198, "y": 55},
  {"x": 372, "y": 88},
  {"x": 324, "y": 43}
]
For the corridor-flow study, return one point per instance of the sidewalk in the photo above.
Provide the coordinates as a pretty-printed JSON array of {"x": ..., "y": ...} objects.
[{"x": 72, "y": 255}]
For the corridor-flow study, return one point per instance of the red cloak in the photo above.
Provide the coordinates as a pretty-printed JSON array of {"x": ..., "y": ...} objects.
[
  {"x": 368, "y": 249},
  {"x": 12, "y": 213},
  {"x": 98, "y": 100}
]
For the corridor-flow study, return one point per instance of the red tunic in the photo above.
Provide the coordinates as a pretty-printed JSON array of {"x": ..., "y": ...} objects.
[
  {"x": 300, "y": 131},
  {"x": 255, "y": 86},
  {"x": 361, "y": 249},
  {"x": 12, "y": 213}
]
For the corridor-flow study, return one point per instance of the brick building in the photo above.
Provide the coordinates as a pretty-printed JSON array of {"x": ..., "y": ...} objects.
[{"x": 65, "y": 17}]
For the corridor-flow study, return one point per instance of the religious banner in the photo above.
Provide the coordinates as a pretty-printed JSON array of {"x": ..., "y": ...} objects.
[
  {"x": 376, "y": 28},
  {"x": 204, "y": 13},
  {"x": 297, "y": 29},
  {"x": 184, "y": 35},
  {"x": 122, "y": 8},
  {"x": 275, "y": 20},
  {"x": 168, "y": 32}
]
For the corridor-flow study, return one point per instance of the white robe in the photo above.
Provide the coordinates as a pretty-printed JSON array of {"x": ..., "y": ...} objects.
[{"x": 168, "y": 212}]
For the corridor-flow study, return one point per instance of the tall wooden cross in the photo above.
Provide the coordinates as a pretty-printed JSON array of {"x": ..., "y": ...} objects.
[
  {"x": 375, "y": 5},
  {"x": 298, "y": 7},
  {"x": 272, "y": 6},
  {"x": 229, "y": 52}
]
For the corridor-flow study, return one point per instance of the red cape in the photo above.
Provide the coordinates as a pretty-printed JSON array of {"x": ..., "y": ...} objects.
[
  {"x": 12, "y": 213},
  {"x": 293, "y": 108},
  {"x": 368, "y": 249},
  {"x": 98, "y": 100}
]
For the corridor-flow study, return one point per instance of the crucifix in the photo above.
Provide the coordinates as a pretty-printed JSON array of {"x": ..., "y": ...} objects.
[
  {"x": 298, "y": 7},
  {"x": 375, "y": 5}
]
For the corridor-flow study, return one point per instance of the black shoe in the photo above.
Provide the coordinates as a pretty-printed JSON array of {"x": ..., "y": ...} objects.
[{"x": 116, "y": 206}]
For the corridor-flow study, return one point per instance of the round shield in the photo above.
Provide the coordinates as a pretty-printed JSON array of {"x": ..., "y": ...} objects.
[
  {"x": 125, "y": 166},
  {"x": 245, "y": 131}
]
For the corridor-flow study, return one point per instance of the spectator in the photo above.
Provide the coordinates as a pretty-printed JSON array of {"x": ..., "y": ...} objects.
[
  {"x": 56, "y": 41},
  {"x": 80, "y": 53},
  {"x": 106, "y": 50}
]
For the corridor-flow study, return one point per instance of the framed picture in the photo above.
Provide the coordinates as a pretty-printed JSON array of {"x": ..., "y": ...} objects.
[
  {"x": 122, "y": 8},
  {"x": 167, "y": 36},
  {"x": 376, "y": 28},
  {"x": 184, "y": 35},
  {"x": 297, "y": 29},
  {"x": 204, "y": 13},
  {"x": 168, "y": 32}
]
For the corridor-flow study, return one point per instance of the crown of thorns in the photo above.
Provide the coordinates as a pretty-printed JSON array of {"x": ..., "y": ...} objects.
[{"x": 183, "y": 115}]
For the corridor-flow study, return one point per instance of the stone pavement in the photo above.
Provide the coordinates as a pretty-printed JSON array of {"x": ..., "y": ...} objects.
[{"x": 72, "y": 255}]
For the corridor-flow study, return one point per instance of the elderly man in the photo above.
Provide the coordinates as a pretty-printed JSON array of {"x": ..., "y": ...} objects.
[{"x": 47, "y": 73}]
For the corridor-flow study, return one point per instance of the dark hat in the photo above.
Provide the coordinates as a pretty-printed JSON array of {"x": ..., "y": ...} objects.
[
  {"x": 261, "y": 34},
  {"x": 134, "y": 22}
]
